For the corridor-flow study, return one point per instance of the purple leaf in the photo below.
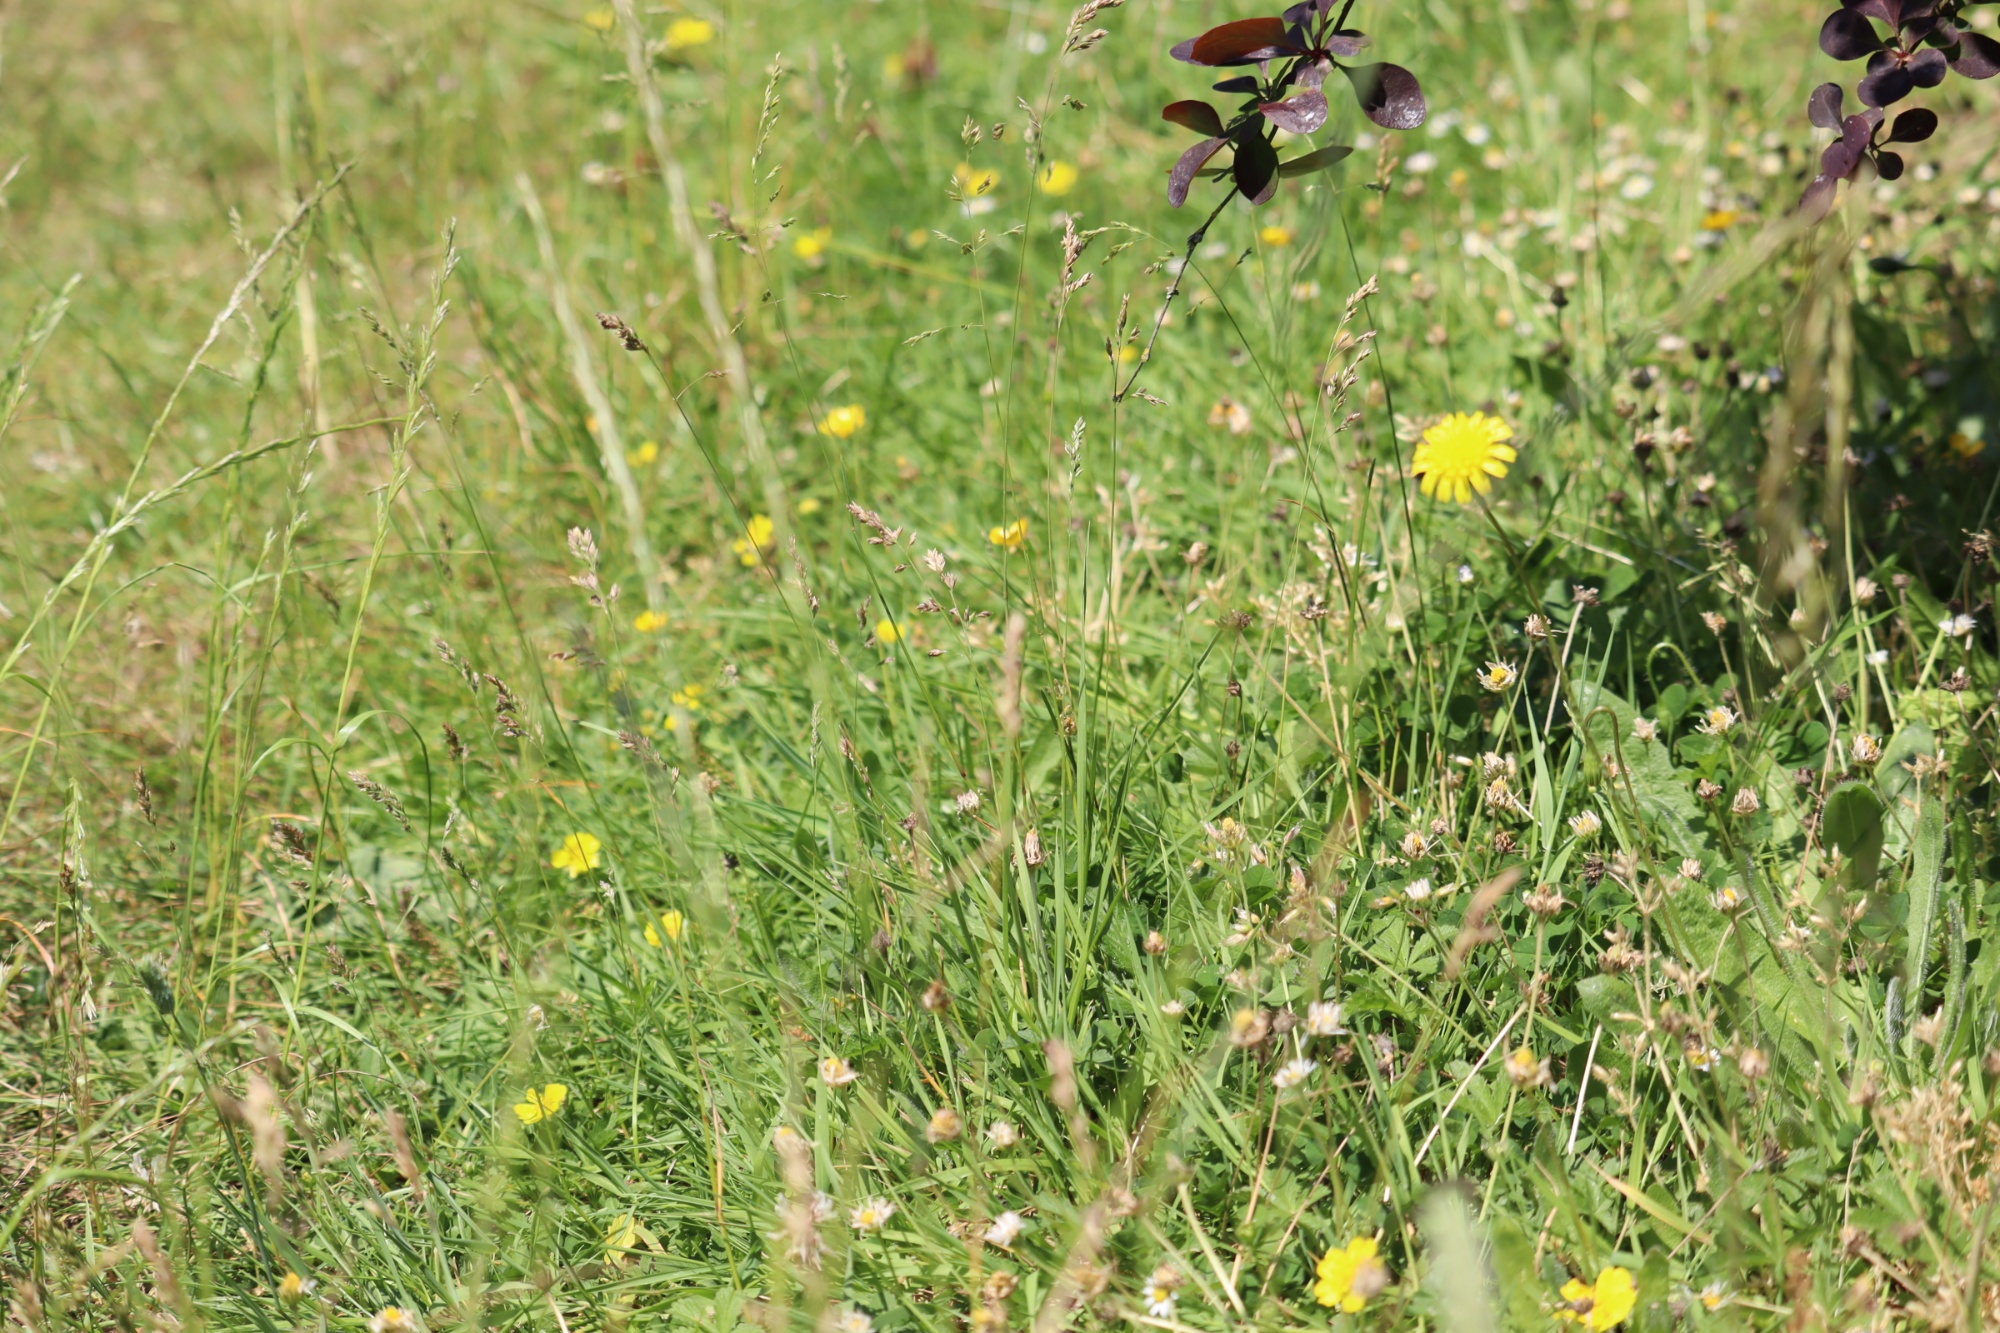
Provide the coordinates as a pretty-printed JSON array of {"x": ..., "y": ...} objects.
[
  {"x": 1319, "y": 159},
  {"x": 1312, "y": 73},
  {"x": 1194, "y": 114},
  {"x": 1889, "y": 164},
  {"x": 1886, "y": 86},
  {"x": 1978, "y": 56},
  {"x": 1256, "y": 168},
  {"x": 1390, "y": 95},
  {"x": 1823, "y": 107},
  {"x": 1242, "y": 83},
  {"x": 1928, "y": 67},
  {"x": 1347, "y": 43},
  {"x": 1848, "y": 36},
  {"x": 1244, "y": 42},
  {"x": 1192, "y": 161},
  {"x": 1914, "y": 126},
  {"x": 1301, "y": 113},
  {"x": 1183, "y": 51},
  {"x": 1818, "y": 201}
]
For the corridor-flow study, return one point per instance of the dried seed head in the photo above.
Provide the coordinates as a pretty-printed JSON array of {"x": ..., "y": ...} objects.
[
  {"x": 1753, "y": 1064},
  {"x": 1545, "y": 900},
  {"x": 936, "y": 998},
  {"x": 1746, "y": 802},
  {"x": 1156, "y": 943}
]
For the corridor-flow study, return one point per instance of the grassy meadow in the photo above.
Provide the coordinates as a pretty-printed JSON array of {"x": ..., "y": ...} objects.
[{"x": 642, "y": 688}]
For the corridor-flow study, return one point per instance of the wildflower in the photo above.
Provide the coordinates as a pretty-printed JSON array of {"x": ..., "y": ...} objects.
[
  {"x": 1276, "y": 237},
  {"x": 1351, "y": 1277},
  {"x": 1228, "y": 412},
  {"x": 886, "y": 631},
  {"x": 1644, "y": 729},
  {"x": 683, "y": 33},
  {"x": 1248, "y": 1027},
  {"x": 975, "y": 181},
  {"x": 1746, "y": 802},
  {"x": 1691, "y": 869},
  {"x": 1005, "y": 1229},
  {"x": 936, "y": 998},
  {"x": 966, "y": 802},
  {"x": 623, "y": 1233},
  {"x": 871, "y": 1214},
  {"x": 1155, "y": 943},
  {"x": 1865, "y": 749},
  {"x": 757, "y": 534},
  {"x": 1159, "y": 1293},
  {"x": 1703, "y": 1058},
  {"x": 1011, "y": 537},
  {"x": 1056, "y": 179},
  {"x": 1461, "y": 454},
  {"x": 1536, "y": 627},
  {"x": 1527, "y": 1070},
  {"x": 673, "y": 925},
  {"x": 602, "y": 19},
  {"x": 1713, "y": 1297},
  {"x": 1002, "y": 1134},
  {"x": 392, "y": 1319},
  {"x": 1715, "y": 621},
  {"x": 1417, "y": 890},
  {"x": 1717, "y": 720},
  {"x": 945, "y": 1124},
  {"x": 1865, "y": 590},
  {"x": 1415, "y": 846},
  {"x": 689, "y": 697},
  {"x": 647, "y": 622},
  {"x": 1586, "y": 825},
  {"x": 1753, "y": 1064},
  {"x": 1545, "y": 900},
  {"x": 1323, "y": 1019},
  {"x": 836, "y": 1072},
  {"x": 844, "y": 423},
  {"x": 578, "y": 853},
  {"x": 1958, "y": 626},
  {"x": 1602, "y": 1305},
  {"x": 292, "y": 1288},
  {"x": 541, "y": 1105},
  {"x": 1729, "y": 899},
  {"x": 1878, "y": 658},
  {"x": 1292, "y": 1073},
  {"x": 1707, "y": 789},
  {"x": 1173, "y": 1008},
  {"x": 1498, "y": 676},
  {"x": 856, "y": 1321},
  {"x": 811, "y": 245}
]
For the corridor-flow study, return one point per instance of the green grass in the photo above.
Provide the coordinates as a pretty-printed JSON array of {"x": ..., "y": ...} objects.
[{"x": 331, "y": 621}]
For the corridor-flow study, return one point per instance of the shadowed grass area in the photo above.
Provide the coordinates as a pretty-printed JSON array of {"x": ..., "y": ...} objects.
[{"x": 650, "y": 682}]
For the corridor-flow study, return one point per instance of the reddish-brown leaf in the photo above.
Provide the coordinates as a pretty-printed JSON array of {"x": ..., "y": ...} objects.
[
  {"x": 1194, "y": 114},
  {"x": 1243, "y": 42},
  {"x": 1192, "y": 161}
]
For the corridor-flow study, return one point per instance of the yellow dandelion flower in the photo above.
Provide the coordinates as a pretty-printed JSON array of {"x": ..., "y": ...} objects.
[
  {"x": 756, "y": 536},
  {"x": 812, "y": 244},
  {"x": 1010, "y": 537},
  {"x": 809, "y": 506},
  {"x": 974, "y": 181},
  {"x": 683, "y": 33},
  {"x": 578, "y": 853},
  {"x": 648, "y": 622},
  {"x": 886, "y": 632},
  {"x": 844, "y": 423},
  {"x": 1722, "y": 219},
  {"x": 673, "y": 925},
  {"x": 1352, "y": 1276},
  {"x": 647, "y": 452},
  {"x": 602, "y": 19},
  {"x": 690, "y": 697},
  {"x": 1276, "y": 237},
  {"x": 1462, "y": 454},
  {"x": 1601, "y": 1305},
  {"x": 1057, "y": 178},
  {"x": 542, "y": 1104}
]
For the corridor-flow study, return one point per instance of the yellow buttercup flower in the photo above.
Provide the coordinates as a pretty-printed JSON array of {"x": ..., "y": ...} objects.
[
  {"x": 974, "y": 181},
  {"x": 1351, "y": 1277},
  {"x": 809, "y": 506},
  {"x": 292, "y": 1288},
  {"x": 1722, "y": 219},
  {"x": 1057, "y": 178},
  {"x": 886, "y": 631},
  {"x": 646, "y": 622},
  {"x": 578, "y": 853},
  {"x": 672, "y": 924},
  {"x": 844, "y": 423},
  {"x": 602, "y": 19},
  {"x": 689, "y": 697},
  {"x": 1462, "y": 454},
  {"x": 1276, "y": 237},
  {"x": 1010, "y": 537},
  {"x": 647, "y": 452},
  {"x": 757, "y": 534},
  {"x": 1604, "y": 1304},
  {"x": 542, "y": 1104},
  {"x": 812, "y": 244},
  {"x": 685, "y": 32}
]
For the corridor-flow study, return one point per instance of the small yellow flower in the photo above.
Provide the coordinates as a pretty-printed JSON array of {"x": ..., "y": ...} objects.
[
  {"x": 844, "y": 423},
  {"x": 683, "y": 33},
  {"x": 689, "y": 697},
  {"x": 836, "y": 1072},
  {"x": 1349, "y": 1278},
  {"x": 974, "y": 181},
  {"x": 541, "y": 1105},
  {"x": 1602, "y": 1305},
  {"x": 647, "y": 452},
  {"x": 623, "y": 1234},
  {"x": 1462, "y": 454},
  {"x": 812, "y": 244},
  {"x": 672, "y": 924},
  {"x": 1965, "y": 447},
  {"x": 647, "y": 622},
  {"x": 1057, "y": 178},
  {"x": 1276, "y": 237},
  {"x": 292, "y": 1288},
  {"x": 1498, "y": 676},
  {"x": 1722, "y": 219},
  {"x": 578, "y": 853},
  {"x": 809, "y": 506},
  {"x": 602, "y": 19},
  {"x": 392, "y": 1319},
  {"x": 757, "y": 534},
  {"x": 1127, "y": 354},
  {"x": 1010, "y": 537},
  {"x": 1526, "y": 1070},
  {"x": 886, "y": 631}
]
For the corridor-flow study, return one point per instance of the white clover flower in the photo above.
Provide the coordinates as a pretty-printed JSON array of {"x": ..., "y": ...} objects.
[
  {"x": 1006, "y": 1229},
  {"x": 1586, "y": 825},
  {"x": 1002, "y": 1134}
]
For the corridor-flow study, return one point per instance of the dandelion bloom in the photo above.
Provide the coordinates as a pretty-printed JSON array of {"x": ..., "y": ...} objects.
[
  {"x": 1604, "y": 1304},
  {"x": 673, "y": 925},
  {"x": 1349, "y": 1278},
  {"x": 1057, "y": 178},
  {"x": 1010, "y": 537},
  {"x": 542, "y": 1104},
  {"x": 1462, "y": 454},
  {"x": 579, "y": 853},
  {"x": 844, "y": 423},
  {"x": 871, "y": 1214},
  {"x": 886, "y": 631},
  {"x": 812, "y": 244},
  {"x": 1498, "y": 676},
  {"x": 685, "y": 32},
  {"x": 646, "y": 622},
  {"x": 836, "y": 1072},
  {"x": 1275, "y": 236},
  {"x": 392, "y": 1319},
  {"x": 757, "y": 534}
]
